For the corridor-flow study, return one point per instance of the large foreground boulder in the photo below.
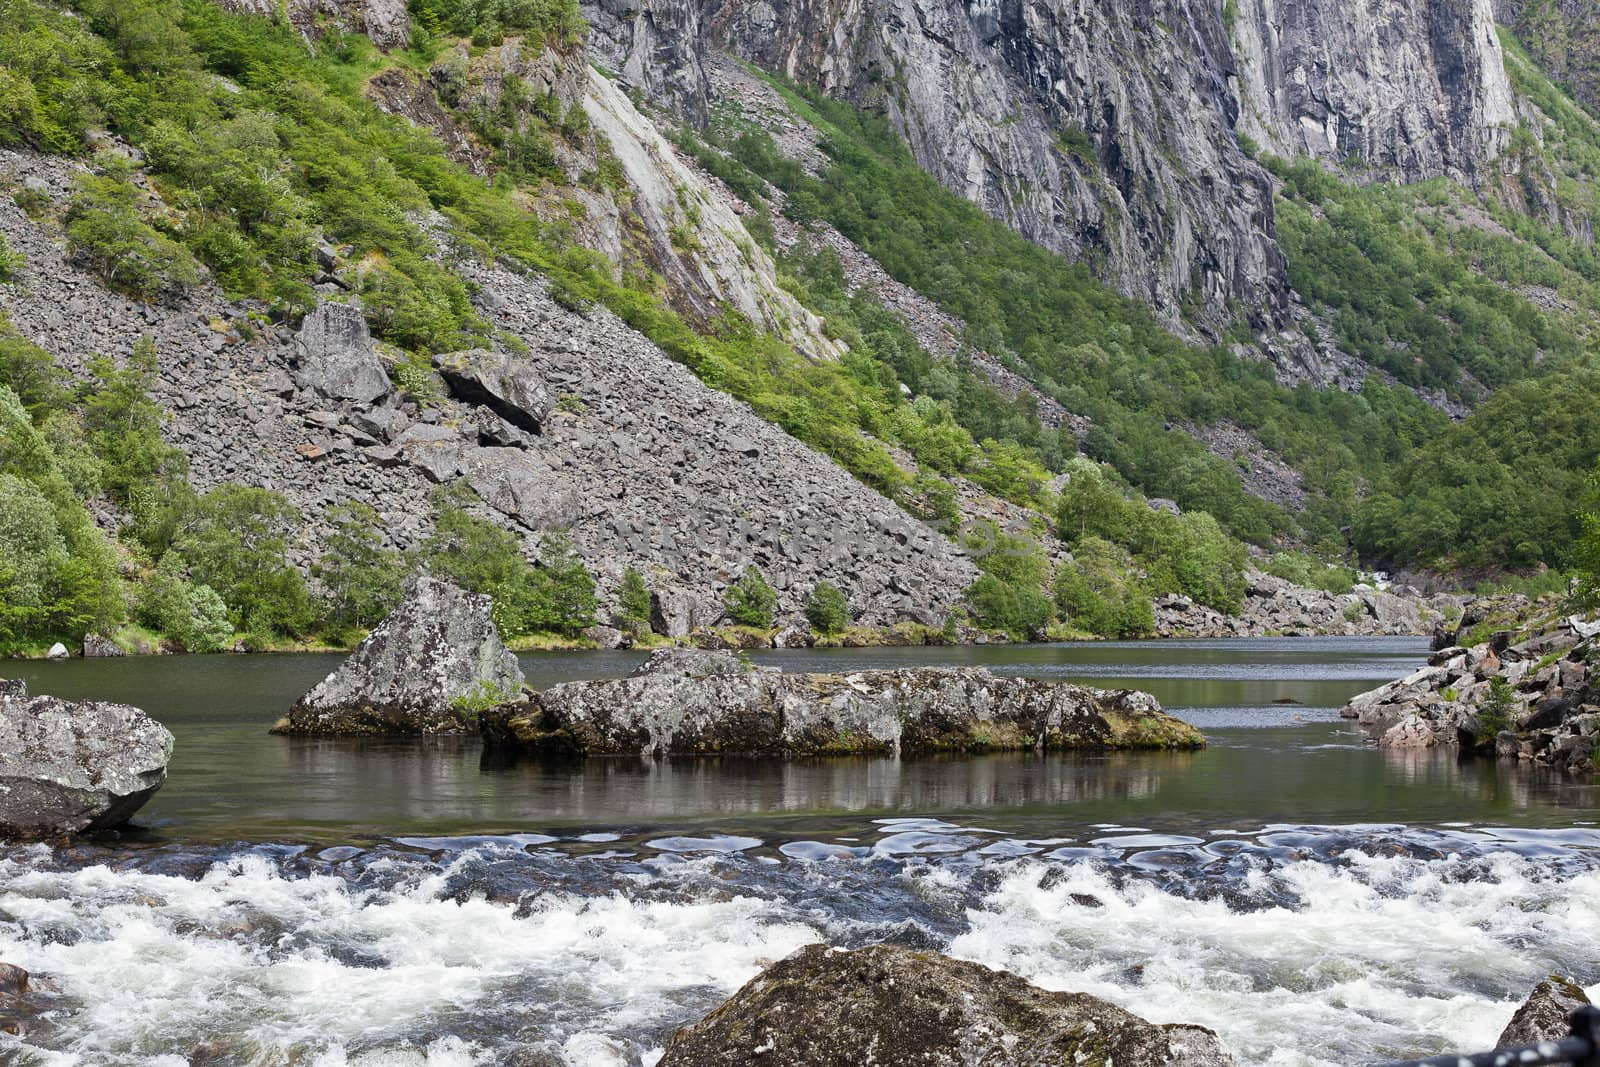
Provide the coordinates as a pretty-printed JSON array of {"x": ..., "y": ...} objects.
[
  {"x": 1545, "y": 1015},
  {"x": 428, "y": 668},
  {"x": 686, "y": 701},
  {"x": 71, "y": 766},
  {"x": 826, "y": 1007}
]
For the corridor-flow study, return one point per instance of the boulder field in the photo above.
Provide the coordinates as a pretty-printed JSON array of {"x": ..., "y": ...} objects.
[{"x": 67, "y": 767}]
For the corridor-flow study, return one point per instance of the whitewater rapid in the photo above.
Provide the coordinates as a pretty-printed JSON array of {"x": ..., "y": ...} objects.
[{"x": 1298, "y": 945}]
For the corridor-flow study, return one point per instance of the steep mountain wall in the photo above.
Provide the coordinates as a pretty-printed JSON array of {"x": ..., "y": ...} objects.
[
  {"x": 1564, "y": 36},
  {"x": 1106, "y": 131}
]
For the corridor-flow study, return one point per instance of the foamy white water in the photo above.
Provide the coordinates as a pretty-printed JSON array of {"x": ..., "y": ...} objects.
[{"x": 411, "y": 961}]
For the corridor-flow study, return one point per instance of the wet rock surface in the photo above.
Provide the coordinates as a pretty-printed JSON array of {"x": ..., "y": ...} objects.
[
  {"x": 686, "y": 701},
  {"x": 425, "y": 669},
  {"x": 1548, "y": 711},
  {"x": 828, "y": 1007},
  {"x": 1545, "y": 1015},
  {"x": 67, "y": 767}
]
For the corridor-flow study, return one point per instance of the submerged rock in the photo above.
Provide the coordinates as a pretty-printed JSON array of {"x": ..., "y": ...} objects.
[
  {"x": 1545, "y": 1015},
  {"x": 690, "y": 701},
  {"x": 426, "y": 669},
  {"x": 71, "y": 766},
  {"x": 826, "y": 1007}
]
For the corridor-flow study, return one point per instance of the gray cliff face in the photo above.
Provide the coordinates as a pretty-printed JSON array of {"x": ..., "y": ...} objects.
[
  {"x": 702, "y": 703},
  {"x": 1106, "y": 131},
  {"x": 422, "y": 670},
  {"x": 1414, "y": 88},
  {"x": 1564, "y": 36},
  {"x": 67, "y": 767}
]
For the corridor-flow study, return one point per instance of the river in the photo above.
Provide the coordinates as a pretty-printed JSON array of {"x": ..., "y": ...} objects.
[{"x": 292, "y": 901}]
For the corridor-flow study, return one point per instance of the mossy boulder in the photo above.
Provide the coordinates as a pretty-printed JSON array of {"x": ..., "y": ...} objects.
[
  {"x": 826, "y": 1007},
  {"x": 684, "y": 701}
]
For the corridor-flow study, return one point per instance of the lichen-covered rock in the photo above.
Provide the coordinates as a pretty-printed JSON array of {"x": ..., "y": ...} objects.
[
  {"x": 426, "y": 669},
  {"x": 98, "y": 646},
  {"x": 1544, "y": 1015},
  {"x": 826, "y": 1007},
  {"x": 336, "y": 357},
  {"x": 686, "y": 701},
  {"x": 71, "y": 766}
]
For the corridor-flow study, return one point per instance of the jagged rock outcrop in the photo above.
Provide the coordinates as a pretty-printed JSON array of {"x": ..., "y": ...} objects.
[
  {"x": 1545, "y": 1015},
  {"x": 500, "y": 382},
  {"x": 68, "y": 767},
  {"x": 1107, "y": 132},
  {"x": 828, "y": 1007},
  {"x": 426, "y": 669},
  {"x": 1547, "y": 712},
  {"x": 684, "y": 701}
]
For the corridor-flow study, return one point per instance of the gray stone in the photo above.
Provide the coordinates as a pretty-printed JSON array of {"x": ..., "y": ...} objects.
[
  {"x": 336, "y": 357},
  {"x": 428, "y": 668},
  {"x": 883, "y": 1004},
  {"x": 97, "y": 646},
  {"x": 67, "y": 767},
  {"x": 1543, "y": 1016},
  {"x": 505, "y": 384},
  {"x": 58, "y": 651},
  {"x": 522, "y": 487},
  {"x": 686, "y": 701}
]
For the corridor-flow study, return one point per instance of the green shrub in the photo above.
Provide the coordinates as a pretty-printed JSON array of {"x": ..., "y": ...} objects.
[
  {"x": 564, "y": 600},
  {"x": 827, "y": 610},
  {"x": 1303, "y": 569},
  {"x": 750, "y": 601},
  {"x": 1021, "y": 611},
  {"x": 106, "y": 234},
  {"x": 11, "y": 260},
  {"x": 1499, "y": 709},
  {"x": 194, "y": 615}
]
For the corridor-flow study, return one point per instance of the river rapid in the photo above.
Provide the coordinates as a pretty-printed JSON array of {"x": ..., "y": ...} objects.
[{"x": 292, "y": 901}]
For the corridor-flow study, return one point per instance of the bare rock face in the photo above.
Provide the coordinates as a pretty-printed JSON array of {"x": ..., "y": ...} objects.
[
  {"x": 67, "y": 767},
  {"x": 426, "y": 669},
  {"x": 1108, "y": 131},
  {"x": 685, "y": 701},
  {"x": 386, "y": 22},
  {"x": 336, "y": 357},
  {"x": 1544, "y": 1015},
  {"x": 826, "y": 1007}
]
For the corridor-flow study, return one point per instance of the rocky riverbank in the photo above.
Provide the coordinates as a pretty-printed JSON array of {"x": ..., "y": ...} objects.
[
  {"x": 1514, "y": 679},
  {"x": 704, "y": 703},
  {"x": 1274, "y": 607}
]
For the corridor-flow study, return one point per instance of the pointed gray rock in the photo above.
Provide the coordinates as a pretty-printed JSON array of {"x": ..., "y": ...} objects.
[{"x": 336, "y": 357}]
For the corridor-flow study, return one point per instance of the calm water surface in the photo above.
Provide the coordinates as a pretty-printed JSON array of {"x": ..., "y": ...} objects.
[
  {"x": 399, "y": 903},
  {"x": 1279, "y": 753}
]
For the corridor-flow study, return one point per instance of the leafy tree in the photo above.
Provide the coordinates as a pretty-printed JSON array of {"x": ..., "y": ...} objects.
[
  {"x": 1586, "y": 557},
  {"x": 827, "y": 609},
  {"x": 238, "y": 544},
  {"x": 1095, "y": 592},
  {"x": 751, "y": 601},
  {"x": 194, "y": 615},
  {"x": 1500, "y": 708},
  {"x": 481, "y": 558},
  {"x": 633, "y": 601},
  {"x": 564, "y": 598},
  {"x": 1020, "y": 610},
  {"x": 362, "y": 581}
]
